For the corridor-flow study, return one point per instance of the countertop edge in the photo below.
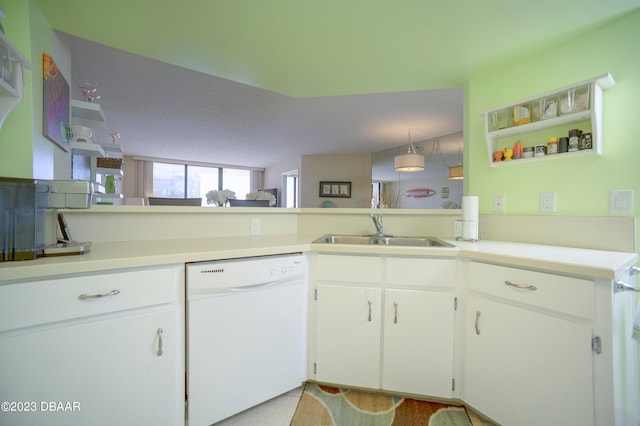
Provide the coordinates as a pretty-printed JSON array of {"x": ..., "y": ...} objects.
[{"x": 139, "y": 254}]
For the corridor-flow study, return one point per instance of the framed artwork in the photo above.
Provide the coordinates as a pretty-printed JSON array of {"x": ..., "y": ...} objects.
[
  {"x": 335, "y": 189},
  {"x": 55, "y": 120}
]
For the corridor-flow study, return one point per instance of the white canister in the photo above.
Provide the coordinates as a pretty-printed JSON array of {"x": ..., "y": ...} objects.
[{"x": 528, "y": 152}]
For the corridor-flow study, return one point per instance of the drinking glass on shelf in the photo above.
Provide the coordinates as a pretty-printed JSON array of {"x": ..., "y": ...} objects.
[{"x": 568, "y": 102}]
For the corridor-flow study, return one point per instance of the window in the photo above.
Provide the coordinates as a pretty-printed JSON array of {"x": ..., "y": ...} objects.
[
  {"x": 168, "y": 180},
  {"x": 201, "y": 180},
  {"x": 190, "y": 181},
  {"x": 238, "y": 181}
]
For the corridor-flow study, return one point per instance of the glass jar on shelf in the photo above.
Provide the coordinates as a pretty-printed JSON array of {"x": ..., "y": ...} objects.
[
  {"x": 500, "y": 119},
  {"x": 521, "y": 114},
  {"x": 545, "y": 108},
  {"x": 574, "y": 100}
]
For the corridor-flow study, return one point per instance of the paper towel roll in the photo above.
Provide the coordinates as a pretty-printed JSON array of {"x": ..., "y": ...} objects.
[
  {"x": 470, "y": 230},
  {"x": 470, "y": 208}
]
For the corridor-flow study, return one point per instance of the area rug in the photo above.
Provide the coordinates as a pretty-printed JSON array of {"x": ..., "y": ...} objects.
[{"x": 328, "y": 406}]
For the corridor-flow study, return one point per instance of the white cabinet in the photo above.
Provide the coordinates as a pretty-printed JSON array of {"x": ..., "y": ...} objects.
[
  {"x": 386, "y": 323},
  {"x": 418, "y": 342},
  {"x": 419, "y": 323},
  {"x": 348, "y": 335},
  {"x": 528, "y": 346},
  {"x": 100, "y": 349},
  {"x": 348, "y": 319}
]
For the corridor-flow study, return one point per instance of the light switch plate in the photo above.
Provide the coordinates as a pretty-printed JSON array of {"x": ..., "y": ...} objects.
[
  {"x": 499, "y": 204},
  {"x": 621, "y": 201}
]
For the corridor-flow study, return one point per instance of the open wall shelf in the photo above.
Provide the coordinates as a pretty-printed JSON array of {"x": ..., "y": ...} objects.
[{"x": 549, "y": 114}]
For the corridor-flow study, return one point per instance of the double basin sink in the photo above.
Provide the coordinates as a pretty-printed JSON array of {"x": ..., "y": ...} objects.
[{"x": 383, "y": 240}]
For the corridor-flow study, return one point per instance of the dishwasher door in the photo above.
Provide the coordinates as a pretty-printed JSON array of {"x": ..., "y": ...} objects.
[{"x": 246, "y": 334}]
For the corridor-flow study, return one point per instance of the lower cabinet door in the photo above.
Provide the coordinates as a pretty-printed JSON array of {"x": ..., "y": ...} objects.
[
  {"x": 348, "y": 335},
  {"x": 527, "y": 368},
  {"x": 101, "y": 372},
  {"x": 418, "y": 342}
]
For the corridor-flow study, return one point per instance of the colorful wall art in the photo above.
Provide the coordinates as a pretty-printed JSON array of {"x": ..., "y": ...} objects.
[{"x": 56, "y": 104}]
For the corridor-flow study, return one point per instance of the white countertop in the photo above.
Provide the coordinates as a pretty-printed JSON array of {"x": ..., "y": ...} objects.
[
  {"x": 573, "y": 261},
  {"x": 136, "y": 254}
]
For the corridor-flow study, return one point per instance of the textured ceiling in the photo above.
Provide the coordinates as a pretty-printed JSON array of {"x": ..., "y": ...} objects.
[{"x": 253, "y": 81}]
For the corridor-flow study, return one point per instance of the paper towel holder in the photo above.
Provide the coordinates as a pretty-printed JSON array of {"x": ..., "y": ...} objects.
[{"x": 458, "y": 227}]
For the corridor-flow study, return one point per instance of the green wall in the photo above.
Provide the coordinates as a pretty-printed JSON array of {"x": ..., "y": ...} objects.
[
  {"x": 24, "y": 151},
  {"x": 581, "y": 184},
  {"x": 16, "y": 145}
]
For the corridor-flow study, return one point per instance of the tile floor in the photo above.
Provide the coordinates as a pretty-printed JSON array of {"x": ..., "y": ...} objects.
[
  {"x": 279, "y": 412},
  {"x": 275, "y": 412}
]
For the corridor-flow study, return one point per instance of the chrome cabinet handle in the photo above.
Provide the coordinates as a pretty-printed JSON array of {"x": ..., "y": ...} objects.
[
  {"x": 521, "y": 286},
  {"x": 395, "y": 314},
  {"x": 85, "y": 296},
  {"x": 159, "y": 333},
  {"x": 477, "y": 323},
  {"x": 370, "y": 303},
  {"x": 619, "y": 286}
]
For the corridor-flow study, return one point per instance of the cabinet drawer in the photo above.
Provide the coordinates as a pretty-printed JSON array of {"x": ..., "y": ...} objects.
[
  {"x": 40, "y": 302},
  {"x": 359, "y": 269},
  {"x": 572, "y": 296},
  {"x": 421, "y": 272}
]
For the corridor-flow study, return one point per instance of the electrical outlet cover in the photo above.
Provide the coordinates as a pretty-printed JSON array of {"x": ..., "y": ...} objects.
[
  {"x": 255, "y": 226},
  {"x": 548, "y": 202},
  {"x": 499, "y": 204}
]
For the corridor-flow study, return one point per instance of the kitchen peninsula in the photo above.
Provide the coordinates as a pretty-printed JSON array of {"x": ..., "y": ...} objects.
[{"x": 574, "y": 289}]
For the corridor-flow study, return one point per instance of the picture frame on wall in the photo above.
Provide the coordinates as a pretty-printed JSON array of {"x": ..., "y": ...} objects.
[
  {"x": 56, "y": 101},
  {"x": 335, "y": 189}
]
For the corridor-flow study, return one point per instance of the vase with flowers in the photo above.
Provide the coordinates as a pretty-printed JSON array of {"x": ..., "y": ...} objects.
[
  {"x": 262, "y": 195},
  {"x": 220, "y": 198}
]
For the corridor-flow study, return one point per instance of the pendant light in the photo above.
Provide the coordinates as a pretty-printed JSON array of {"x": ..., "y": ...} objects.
[
  {"x": 409, "y": 162},
  {"x": 456, "y": 172}
]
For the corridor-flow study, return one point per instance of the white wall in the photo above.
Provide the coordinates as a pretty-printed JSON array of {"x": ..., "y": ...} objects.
[
  {"x": 273, "y": 175},
  {"x": 354, "y": 168}
]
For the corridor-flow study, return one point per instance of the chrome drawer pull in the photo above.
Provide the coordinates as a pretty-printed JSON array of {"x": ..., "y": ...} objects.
[
  {"x": 619, "y": 286},
  {"x": 159, "y": 333},
  {"x": 84, "y": 296},
  {"x": 477, "y": 323},
  {"x": 395, "y": 314},
  {"x": 370, "y": 303},
  {"x": 521, "y": 286}
]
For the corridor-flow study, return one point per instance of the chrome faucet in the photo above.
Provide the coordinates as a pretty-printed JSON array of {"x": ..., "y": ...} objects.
[{"x": 377, "y": 221}]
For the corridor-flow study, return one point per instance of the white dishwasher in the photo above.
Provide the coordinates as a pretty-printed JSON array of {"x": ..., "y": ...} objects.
[{"x": 246, "y": 333}]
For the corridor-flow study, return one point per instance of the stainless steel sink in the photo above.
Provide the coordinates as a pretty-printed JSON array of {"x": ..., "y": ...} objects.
[{"x": 383, "y": 240}]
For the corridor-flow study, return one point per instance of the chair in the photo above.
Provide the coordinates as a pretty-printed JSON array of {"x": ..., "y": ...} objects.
[{"x": 159, "y": 201}]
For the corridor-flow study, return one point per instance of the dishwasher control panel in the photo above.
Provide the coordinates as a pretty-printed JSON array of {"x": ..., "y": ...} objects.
[
  {"x": 222, "y": 276},
  {"x": 274, "y": 271}
]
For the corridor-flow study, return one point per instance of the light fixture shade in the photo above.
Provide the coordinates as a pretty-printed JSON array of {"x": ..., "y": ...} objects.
[
  {"x": 456, "y": 172},
  {"x": 408, "y": 163}
]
